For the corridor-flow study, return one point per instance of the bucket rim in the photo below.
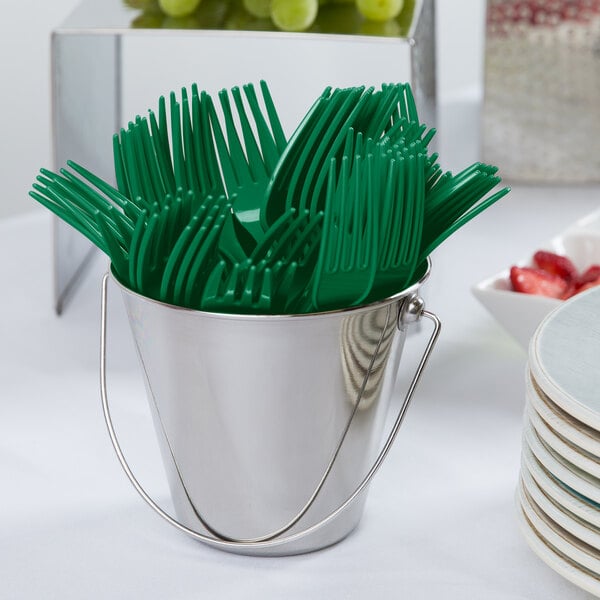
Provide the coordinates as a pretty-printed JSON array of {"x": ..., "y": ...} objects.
[{"x": 411, "y": 289}]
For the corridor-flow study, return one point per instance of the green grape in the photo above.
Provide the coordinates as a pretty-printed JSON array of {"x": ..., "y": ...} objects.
[
  {"x": 258, "y": 8},
  {"x": 338, "y": 18},
  {"x": 294, "y": 15},
  {"x": 405, "y": 18},
  {"x": 236, "y": 18},
  {"x": 380, "y": 10},
  {"x": 178, "y": 8},
  {"x": 187, "y": 22},
  {"x": 148, "y": 21},
  {"x": 146, "y": 6},
  {"x": 389, "y": 28},
  {"x": 240, "y": 19},
  {"x": 211, "y": 14},
  {"x": 138, "y": 4}
]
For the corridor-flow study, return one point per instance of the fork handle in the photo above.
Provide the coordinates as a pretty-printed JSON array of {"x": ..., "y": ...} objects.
[{"x": 411, "y": 311}]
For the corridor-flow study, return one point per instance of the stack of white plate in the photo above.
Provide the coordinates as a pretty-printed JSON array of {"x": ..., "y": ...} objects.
[{"x": 559, "y": 489}]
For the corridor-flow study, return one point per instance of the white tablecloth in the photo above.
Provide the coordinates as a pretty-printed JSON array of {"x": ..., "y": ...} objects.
[{"x": 440, "y": 517}]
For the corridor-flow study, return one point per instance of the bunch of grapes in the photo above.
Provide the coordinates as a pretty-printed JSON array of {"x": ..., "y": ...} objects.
[{"x": 369, "y": 17}]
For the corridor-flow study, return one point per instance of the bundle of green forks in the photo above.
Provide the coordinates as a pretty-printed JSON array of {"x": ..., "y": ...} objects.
[{"x": 216, "y": 210}]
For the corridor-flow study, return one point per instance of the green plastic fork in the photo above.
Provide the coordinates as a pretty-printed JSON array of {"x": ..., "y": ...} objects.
[
  {"x": 96, "y": 212},
  {"x": 428, "y": 245},
  {"x": 193, "y": 253},
  {"x": 347, "y": 261},
  {"x": 390, "y": 113},
  {"x": 247, "y": 165},
  {"x": 292, "y": 260},
  {"x": 75, "y": 195},
  {"x": 454, "y": 196},
  {"x": 69, "y": 215},
  {"x": 149, "y": 166},
  {"x": 276, "y": 192},
  {"x": 244, "y": 288},
  {"x": 326, "y": 139},
  {"x": 218, "y": 212},
  {"x": 150, "y": 171},
  {"x": 402, "y": 217}
]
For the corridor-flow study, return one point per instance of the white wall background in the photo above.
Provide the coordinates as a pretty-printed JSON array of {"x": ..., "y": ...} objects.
[
  {"x": 25, "y": 82},
  {"x": 25, "y": 98}
]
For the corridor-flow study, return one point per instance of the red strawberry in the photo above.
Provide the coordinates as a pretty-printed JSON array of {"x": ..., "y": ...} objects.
[
  {"x": 589, "y": 275},
  {"x": 555, "y": 264},
  {"x": 589, "y": 282},
  {"x": 587, "y": 285},
  {"x": 530, "y": 280}
]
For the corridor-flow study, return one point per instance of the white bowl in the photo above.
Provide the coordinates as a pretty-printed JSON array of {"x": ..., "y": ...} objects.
[{"x": 520, "y": 314}]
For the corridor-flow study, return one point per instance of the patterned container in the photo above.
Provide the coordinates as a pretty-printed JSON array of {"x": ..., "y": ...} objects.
[{"x": 541, "y": 116}]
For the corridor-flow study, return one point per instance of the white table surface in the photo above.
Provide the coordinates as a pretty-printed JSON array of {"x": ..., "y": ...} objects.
[{"x": 440, "y": 518}]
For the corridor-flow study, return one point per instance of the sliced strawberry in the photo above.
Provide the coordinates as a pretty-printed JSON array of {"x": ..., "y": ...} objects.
[
  {"x": 530, "y": 280},
  {"x": 571, "y": 290},
  {"x": 590, "y": 284},
  {"x": 589, "y": 275},
  {"x": 555, "y": 264}
]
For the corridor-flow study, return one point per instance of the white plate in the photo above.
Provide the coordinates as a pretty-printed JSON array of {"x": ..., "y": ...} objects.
[
  {"x": 569, "y": 474},
  {"x": 520, "y": 314},
  {"x": 564, "y": 424},
  {"x": 570, "y": 522},
  {"x": 564, "y": 496},
  {"x": 564, "y": 357},
  {"x": 561, "y": 540},
  {"x": 565, "y": 567},
  {"x": 576, "y": 456}
]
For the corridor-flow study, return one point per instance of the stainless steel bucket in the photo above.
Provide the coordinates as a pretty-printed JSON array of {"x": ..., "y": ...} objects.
[{"x": 270, "y": 427}]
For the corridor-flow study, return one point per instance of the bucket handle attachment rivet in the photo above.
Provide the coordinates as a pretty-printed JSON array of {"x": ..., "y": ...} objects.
[{"x": 411, "y": 309}]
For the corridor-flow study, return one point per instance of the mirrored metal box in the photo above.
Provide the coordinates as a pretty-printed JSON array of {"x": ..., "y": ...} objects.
[{"x": 112, "y": 61}]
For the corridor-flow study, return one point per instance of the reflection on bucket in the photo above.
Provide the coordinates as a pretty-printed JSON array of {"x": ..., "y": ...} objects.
[
  {"x": 366, "y": 343},
  {"x": 268, "y": 425}
]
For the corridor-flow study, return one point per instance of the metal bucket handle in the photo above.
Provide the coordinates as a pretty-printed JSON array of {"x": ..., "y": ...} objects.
[{"x": 411, "y": 309}]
